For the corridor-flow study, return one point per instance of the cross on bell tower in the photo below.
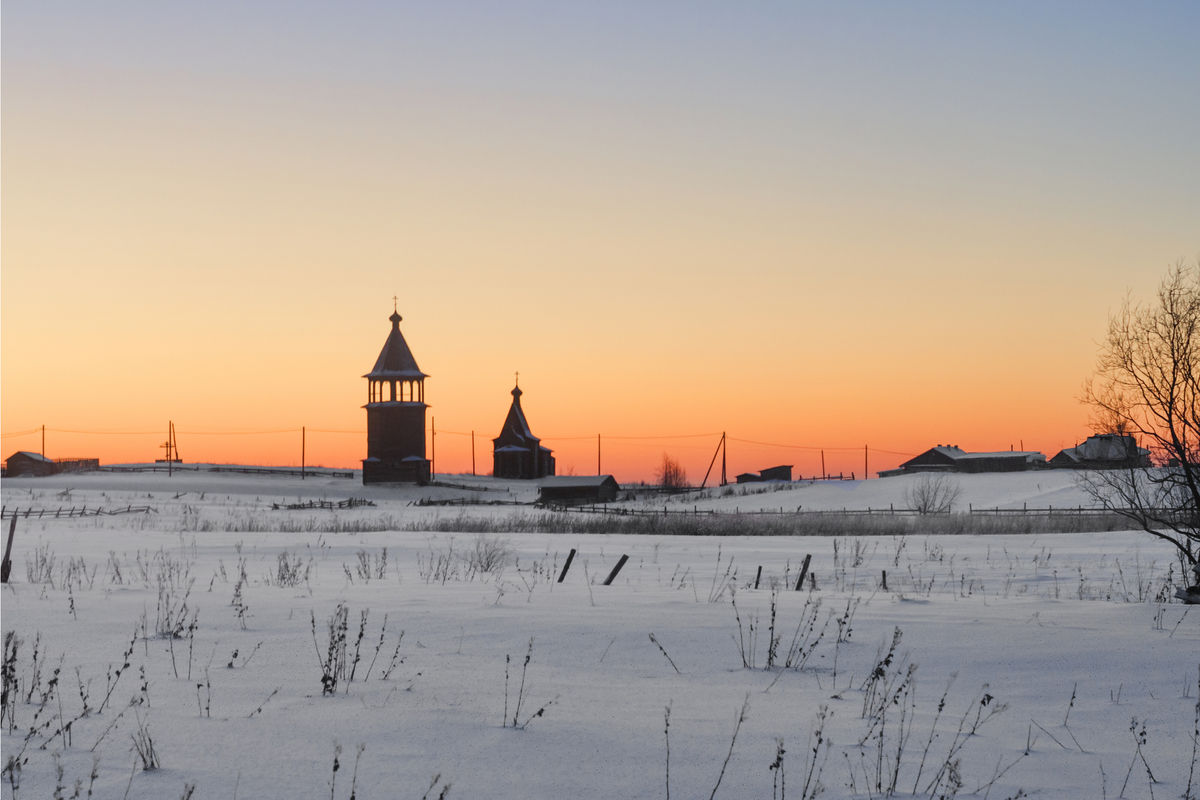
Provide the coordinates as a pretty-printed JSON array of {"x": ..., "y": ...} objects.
[{"x": 395, "y": 413}]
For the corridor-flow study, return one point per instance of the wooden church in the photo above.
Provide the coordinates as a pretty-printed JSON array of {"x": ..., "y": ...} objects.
[
  {"x": 516, "y": 452},
  {"x": 395, "y": 415}
]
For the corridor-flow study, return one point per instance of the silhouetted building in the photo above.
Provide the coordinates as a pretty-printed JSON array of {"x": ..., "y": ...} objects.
[
  {"x": 395, "y": 415},
  {"x": 571, "y": 490},
  {"x": 1104, "y": 451},
  {"x": 26, "y": 464},
  {"x": 780, "y": 473},
  {"x": 516, "y": 452},
  {"x": 951, "y": 458}
]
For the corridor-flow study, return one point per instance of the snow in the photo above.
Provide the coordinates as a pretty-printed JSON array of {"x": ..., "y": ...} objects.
[{"x": 1030, "y": 621}]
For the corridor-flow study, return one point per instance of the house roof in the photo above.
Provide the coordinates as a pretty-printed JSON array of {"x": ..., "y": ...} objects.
[
  {"x": 395, "y": 359},
  {"x": 32, "y": 456},
  {"x": 1026, "y": 454},
  {"x": 577, "y": 481}
]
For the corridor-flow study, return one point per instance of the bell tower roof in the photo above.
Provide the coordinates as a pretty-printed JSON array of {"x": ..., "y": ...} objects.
[{"x": 395, "y": 360}]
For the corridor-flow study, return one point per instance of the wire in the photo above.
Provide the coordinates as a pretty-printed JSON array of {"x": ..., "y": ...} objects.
[
  {"x": 21, "y": 433},
  {"x": 791, "y": 446},
  {"x": 632, "y": 438},
  {"x": 105, "y": 433},
  {"x": 236, "y": 433}
]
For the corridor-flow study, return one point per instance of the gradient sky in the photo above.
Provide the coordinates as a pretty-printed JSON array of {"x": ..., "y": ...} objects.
[{"x": 810, "y": 225}]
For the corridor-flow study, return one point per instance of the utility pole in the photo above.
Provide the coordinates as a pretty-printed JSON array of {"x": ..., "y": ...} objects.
[
  {"x": 598, "y": 454},
  {"x": 432, "y": 446},
  {"x": 472, "y": 453},
  {"x": 43, "y": 441},
  {"x": 303, "y": 443},
  {"x": 866, "y": 474},
  {"x": 169, "y": 446},
  {"x": 822, "y": 465},
  {"x": 724, "y": 482}
]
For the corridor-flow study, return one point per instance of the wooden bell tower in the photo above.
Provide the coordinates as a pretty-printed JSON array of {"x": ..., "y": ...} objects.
[{"x": 395, "y": 415}]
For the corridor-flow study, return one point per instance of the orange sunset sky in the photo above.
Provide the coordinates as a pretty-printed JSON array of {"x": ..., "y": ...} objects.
[{"x": 809, "y": 225}]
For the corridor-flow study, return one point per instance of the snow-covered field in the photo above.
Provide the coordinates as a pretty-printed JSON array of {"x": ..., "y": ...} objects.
[{"x": 1046, "y": 665}]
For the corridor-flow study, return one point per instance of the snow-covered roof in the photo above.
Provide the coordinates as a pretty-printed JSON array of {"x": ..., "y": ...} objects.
[
  {"x": 395, "y": 359},
  {"x": 576, "y": 481},
  {"x": 32, "y": 456},
  {"x": 1031, "y": 455},
  {"x": 1105, "y": 447}
]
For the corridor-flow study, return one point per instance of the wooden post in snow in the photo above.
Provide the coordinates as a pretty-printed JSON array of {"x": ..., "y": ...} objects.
[
  {"x": 803, "y": 572},
  {"x": 612, "y": 575},
  {"x": 6, "y": 564},
  {"x": 758, "y": 577},
  {"x": 566, "y": 565}
]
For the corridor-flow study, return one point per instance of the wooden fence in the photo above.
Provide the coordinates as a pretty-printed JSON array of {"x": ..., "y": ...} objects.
[
  {"x": 63, "y": 512},
  {"x": 1047, "y": 511},
  {"x": 293, "y": 471},
  {"x": 352, "y": 502}
]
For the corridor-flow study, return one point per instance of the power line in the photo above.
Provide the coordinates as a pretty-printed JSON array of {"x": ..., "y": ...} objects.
[
  {"x": 104, "y": 433},
  {"x": 240, "y": 433},
  {"x": 20, "y": 433},
  {"x": 634, "y": 438},
  {"x": 791, "y": 446}
]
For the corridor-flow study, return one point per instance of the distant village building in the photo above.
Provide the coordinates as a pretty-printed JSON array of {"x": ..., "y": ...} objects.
[
  {"x": 952, "y": 458},
  {"x": 516, "y": 452},
  {"x": 572, "y": 490},
  {"x": 1103, "y": 451},
  {"x": 395, "y": 415},
  {"x": 780, "y": 473},
  {"x": 24, "y": 463}
]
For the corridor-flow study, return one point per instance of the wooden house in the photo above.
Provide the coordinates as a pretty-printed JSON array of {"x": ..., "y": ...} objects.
[
  {"x": 572, "y": 490},
  {"x": 1103, "y": 451},
  {"x": 26, "y": 464},
  {"x": 780, "y": 473},
  {"x": 952, "y": 458}
]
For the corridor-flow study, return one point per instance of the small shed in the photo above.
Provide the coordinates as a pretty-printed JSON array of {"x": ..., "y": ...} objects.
[
  {"x": 780, "y": 473},
  {"x": 573, "y": 490},
  {"x": 26, "y": 464}
]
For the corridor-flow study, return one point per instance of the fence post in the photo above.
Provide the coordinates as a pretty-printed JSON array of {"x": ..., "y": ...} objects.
[
  {"x": 803, "y": 571},
  {"x": 6, "y": 564},
  {"x": 566, "y": 565},
  {"x": 758, "y": 577},
  {"x": 612, "y": 575}
]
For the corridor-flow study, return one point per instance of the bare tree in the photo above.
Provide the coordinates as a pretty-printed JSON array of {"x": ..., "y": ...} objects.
[
  {"x": 1147, "y": 385},
  {"x": 671, "y": 474},
  {"x": 932, "y": 493}
]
